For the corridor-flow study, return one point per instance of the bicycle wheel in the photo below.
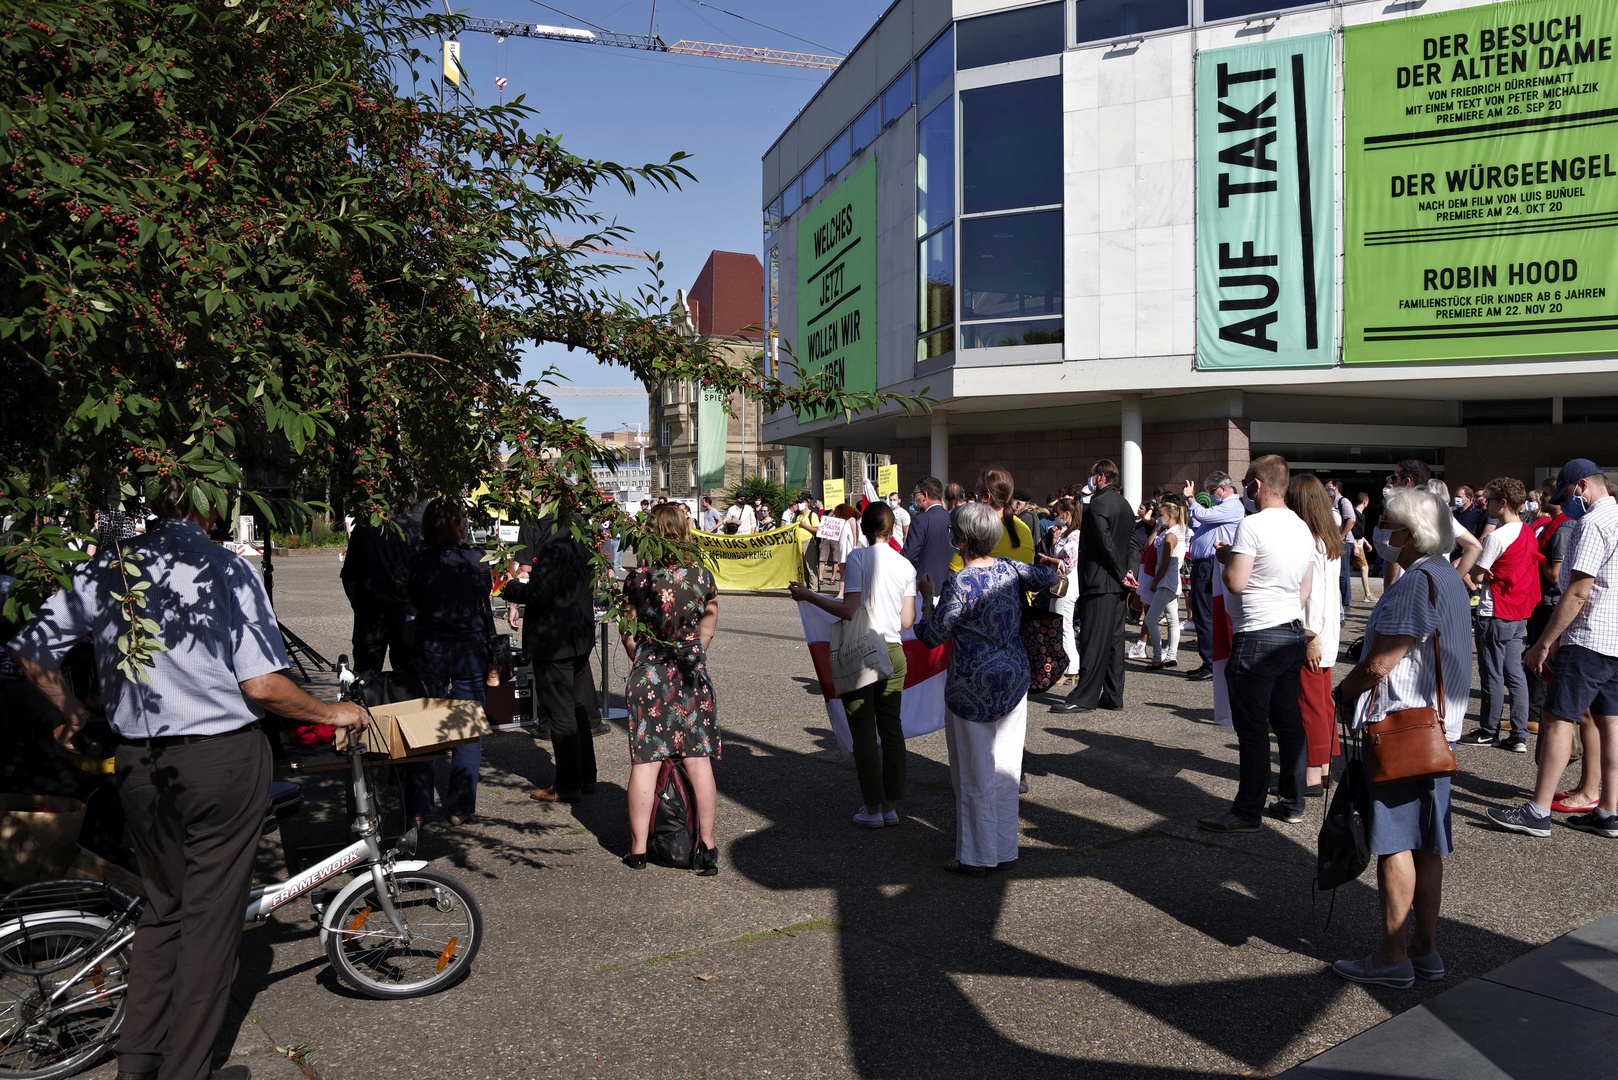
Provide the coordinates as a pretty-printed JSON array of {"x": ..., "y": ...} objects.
[
  {"x": 446, "y": 929},
  {"x": 40, "y": 1040}
]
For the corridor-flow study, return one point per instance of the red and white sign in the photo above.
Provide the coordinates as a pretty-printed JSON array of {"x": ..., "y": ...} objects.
[
  {"x": 831, "y": 528},
  {"x": 921, "y": 710}
]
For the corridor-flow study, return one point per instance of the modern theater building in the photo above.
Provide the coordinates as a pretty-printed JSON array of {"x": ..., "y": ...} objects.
[{"x": 1183, "y": 233}]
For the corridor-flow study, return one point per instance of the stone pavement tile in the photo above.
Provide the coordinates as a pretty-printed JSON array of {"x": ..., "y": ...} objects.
[
  {"x": 1600, "y": 934},
  {"x": 1567, "y": 971},
  {"x": 1480, "y": 1030}
]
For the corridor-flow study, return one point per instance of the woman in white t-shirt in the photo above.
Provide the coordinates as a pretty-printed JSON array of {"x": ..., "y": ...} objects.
[
  {"x": 1165, "y": 585},
  {"x": 1322, "y": 625},
  {"x": 882, "y": 580}
]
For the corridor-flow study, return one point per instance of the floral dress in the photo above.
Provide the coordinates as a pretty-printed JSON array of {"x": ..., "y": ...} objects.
[{"x": 669, "y": 698}]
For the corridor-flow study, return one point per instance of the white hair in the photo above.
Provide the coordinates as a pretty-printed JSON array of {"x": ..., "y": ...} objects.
[
  {"x": 1425, "y": 515},
  {"x": 981, "y": 527}
]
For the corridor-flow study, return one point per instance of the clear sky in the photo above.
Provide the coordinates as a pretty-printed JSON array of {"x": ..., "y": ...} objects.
[{"x": 635, "y": 107}]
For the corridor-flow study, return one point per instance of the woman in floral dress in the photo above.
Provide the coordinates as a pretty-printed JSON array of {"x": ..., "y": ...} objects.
[{"x": 669, "y": 698}]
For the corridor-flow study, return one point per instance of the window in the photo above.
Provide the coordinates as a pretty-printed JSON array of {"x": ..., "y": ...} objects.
[
  {"x": 871, "y": 473},
  {"x": 1518, "y": 411},
  {"x": 671, "y": 394},
  {"x": 995, "y": 334},
  {"x": 1115, "y": 20},
  {"x": 896, "y": 98},
  {"x": 935, "y": 169},
  {"x": 812, "y": 177},
  {"x": 791, "y": 199},
  {"x": 937, "y": 286},
  {"x": 772, "y": 218},
  {"x": 665, "y": 473},
  {"x": 1011, "y": 268},
  {"x": 865, "y": 128},
  {"x": 1214, "y": 10},
  {"x": 663, "y": 437},
  {"x": 770, "y": 470},
  {"x": 1011, "y": 145},
  {"x": 837, "y": 155},
  {"x": 1011, "y": 35},
  {"x": 936, "y": 65},
  {"x": 1589, "y": 410}
]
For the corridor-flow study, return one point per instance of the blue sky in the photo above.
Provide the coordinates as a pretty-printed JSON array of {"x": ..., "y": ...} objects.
[{"x": 635, "y": 107}]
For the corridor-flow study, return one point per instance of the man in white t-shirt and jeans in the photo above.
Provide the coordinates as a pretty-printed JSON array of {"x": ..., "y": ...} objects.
[
  {"x": 1267, "y": 574},
  {"x": 1506, "y": 576}
]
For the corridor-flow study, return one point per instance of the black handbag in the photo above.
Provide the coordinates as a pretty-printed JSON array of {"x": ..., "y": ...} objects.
[{"x": 1344, "y": 849}]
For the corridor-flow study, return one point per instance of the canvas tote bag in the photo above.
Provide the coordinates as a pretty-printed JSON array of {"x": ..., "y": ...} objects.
[{"x": 859, "y": 655}]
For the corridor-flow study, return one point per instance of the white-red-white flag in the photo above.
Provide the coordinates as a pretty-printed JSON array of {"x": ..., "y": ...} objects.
[
  {"x": 921, "y": 710},
  {"x": 1222, "y": 636}
]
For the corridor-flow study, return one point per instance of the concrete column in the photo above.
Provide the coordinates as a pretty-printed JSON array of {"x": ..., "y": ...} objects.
[
  {"x": 1556, "y": 409},
  {"x": 817, "y": 463},
  {"x": 1130, "y": 465},
  {"x": 940, "y": 445}
]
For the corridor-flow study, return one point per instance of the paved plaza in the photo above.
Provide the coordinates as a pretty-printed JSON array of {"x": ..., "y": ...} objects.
[{"x": 1125, "y": 943}]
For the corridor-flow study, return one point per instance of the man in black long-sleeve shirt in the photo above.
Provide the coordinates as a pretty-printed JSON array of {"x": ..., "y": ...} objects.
[
  {"x": 1107, "y": 550},
  {"x": 558, "y": 634},
  {"x": 376, "y": 579}
]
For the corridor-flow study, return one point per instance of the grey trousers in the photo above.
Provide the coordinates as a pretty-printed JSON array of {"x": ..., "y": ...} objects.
[
  {"x": 194, "y": 812},
  {"x": 1500, "y": 646}
]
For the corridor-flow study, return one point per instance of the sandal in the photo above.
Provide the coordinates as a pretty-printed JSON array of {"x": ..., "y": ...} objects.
[{"x": 956, "y": 866}]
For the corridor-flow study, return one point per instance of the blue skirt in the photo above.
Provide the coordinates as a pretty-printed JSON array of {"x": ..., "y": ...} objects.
[{"x": 1413, "y": 816}]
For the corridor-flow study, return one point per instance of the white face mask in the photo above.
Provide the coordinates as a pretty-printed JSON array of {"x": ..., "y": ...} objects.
[
  {"x": 1382, "y": 540},
  {"x": 1249, "y": 502},
  {"x": 1530, "y": 506},
  {"x": 1459, "y": 502},
  {"x": 1386, "y": 492}
]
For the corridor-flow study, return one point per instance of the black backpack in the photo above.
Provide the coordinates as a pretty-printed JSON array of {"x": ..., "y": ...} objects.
[
  {"x": 673, "y": 834},
  {"x": 1344, "y": 850}
]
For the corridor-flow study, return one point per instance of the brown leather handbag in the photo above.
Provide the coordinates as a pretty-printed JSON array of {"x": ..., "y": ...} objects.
[{"x": 1411, "y": 744}]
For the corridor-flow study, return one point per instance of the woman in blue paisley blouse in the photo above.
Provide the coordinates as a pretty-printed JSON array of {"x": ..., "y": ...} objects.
[
  {"x": 669, "y": 698},
  {"x": 986, "y": 691}
]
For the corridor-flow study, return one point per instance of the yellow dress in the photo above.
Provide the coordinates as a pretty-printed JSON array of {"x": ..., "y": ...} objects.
[{"x": 1023, "y": 552}]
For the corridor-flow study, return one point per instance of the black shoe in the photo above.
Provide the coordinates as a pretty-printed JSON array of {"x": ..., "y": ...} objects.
[
  {"x": 232, "y": 1072},
  {"x": 1110, "y": 708},
  {"x": 635, "y": 862},
  {"x": 599, "y": 728},
  {"x": 1072, "y": 707},
  {"x": 1515, "y": 745},
  {"x": 1281, "y": 813},
  {"x": 1477, "y": 738},
  {"x": 1228, "y": 822},
  {"x": 125, "y": 1074},
  {"x": 1312, "y": 791},
  {"x": 1022, "y": 784},
  {"x": 1202, "y": 674},
  {"x": 705, "y": 861}
]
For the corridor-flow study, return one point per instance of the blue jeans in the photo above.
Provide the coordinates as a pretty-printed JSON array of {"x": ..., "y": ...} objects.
[
  {"x": 1262, "y": 676},
  {"x": 1345, "y": 575},
  {"x": 1500, "y": 644},
  {"x": 449, "y": 669}
]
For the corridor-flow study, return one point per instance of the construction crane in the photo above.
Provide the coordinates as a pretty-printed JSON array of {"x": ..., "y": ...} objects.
[
  {"x": 653, "y": 43},
  {"x": 595, "y": 248}
]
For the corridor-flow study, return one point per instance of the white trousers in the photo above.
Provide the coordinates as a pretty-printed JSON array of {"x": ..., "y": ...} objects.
[
  {"x": 1063, "y": 606},
  {"x": 1169, "y": 603},
  {"x": 985, "y": 759}
]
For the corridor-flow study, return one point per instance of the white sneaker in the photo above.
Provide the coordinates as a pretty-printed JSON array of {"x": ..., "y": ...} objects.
[
  {"x": 1138, "y": 651},
  {"x": 1187, "y": 626},
  {"x": 870, "y": 821},
  {"x": 890, "y": 817}
]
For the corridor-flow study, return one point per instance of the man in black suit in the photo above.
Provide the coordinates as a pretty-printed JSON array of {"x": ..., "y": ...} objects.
[
  {"x": 558, "y": 634},
  {"x": 927, "y": 542},
  {"x": 375, "y": 576},
  {"x": 1106, "y": 552}
]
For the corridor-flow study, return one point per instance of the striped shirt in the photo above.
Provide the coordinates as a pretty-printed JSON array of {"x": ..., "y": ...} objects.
[
  {"x": 1593, "y": 550},
  {"x": 1406, "y": 609}
]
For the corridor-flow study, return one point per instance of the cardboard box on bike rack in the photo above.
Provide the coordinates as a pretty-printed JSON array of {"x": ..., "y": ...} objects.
[{"x": 420, "y": 726}]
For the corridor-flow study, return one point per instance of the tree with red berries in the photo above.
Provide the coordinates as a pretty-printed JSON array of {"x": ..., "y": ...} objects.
[{"x": 234, "y": 249}]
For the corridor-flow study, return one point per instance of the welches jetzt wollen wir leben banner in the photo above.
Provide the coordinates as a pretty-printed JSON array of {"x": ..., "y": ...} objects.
[{"x": 766, "y": 560}]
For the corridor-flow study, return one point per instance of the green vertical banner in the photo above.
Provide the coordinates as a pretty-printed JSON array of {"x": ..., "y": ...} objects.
[
  {"x": 713, "y": 435},
  {"x": 1265, "y": 205},
  {"x": 1481, "y": 210},
  {"x": 837, "y": 284},
  {"x": 797, "y": 467}
]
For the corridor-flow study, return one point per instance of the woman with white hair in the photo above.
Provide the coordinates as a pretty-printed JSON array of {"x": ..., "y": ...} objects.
[
  {"x": 986, "y": 691},
  {"x": 1417, "y": 654}
]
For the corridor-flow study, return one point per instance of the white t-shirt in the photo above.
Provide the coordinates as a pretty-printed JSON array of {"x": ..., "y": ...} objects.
[
  {"x": 850, "y": 538},
  {"x": 895, "y": 579},
  {"x": 1494, "y": 546},
  {"x": 901, "y": 523},
  {"x": 1282, "y": 547}
]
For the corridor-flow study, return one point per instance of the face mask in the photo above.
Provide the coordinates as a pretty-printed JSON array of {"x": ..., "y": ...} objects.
[
  {"x": 1249, "y": 501},
  {"x": 1530, "y": 506},
  {"x": 1458, "y": 501},
  {"x": 1382, "y": 540},
  {"x": 1574, "y": 508},
  {"x": 1386, "y": 492}
]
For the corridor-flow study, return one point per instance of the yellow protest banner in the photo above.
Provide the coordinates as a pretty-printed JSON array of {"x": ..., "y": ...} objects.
[
  {"x": 831, "y": 493},
  {"x": 887, "y": 480},
  {"x": 767, "y": 560}
]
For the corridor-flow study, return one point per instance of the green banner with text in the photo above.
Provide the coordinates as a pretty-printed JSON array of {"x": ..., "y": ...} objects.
[
  {"x": 837, "y": 284},
  {"x": 1265, "y": 205},
  {"x": 1480, "y": 154}
]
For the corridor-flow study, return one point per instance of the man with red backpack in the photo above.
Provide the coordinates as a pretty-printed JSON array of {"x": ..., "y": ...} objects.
[{"x": 1507, "y": 575}]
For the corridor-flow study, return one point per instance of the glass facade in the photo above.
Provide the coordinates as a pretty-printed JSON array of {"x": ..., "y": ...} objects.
[
  {"x": 1010, "y": 35},
  {"x": 1011, "y": 140},
  {"x": 1011, "y": 268},
  {"x": 995, "y": 335},
  {"x": 936, "y": 65},
  {"x": 935, "y": 169},
  {"x": 863, "y": 131},
  {"x": 937, "y": 284},
  {"x": 791, "y": 199},
  {"x": 836, "y": 155},
  {"x": 897, "y": 98},
  {"x": 1114, "y": 20}
]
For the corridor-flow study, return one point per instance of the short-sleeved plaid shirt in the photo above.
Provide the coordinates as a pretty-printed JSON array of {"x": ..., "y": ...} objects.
[{"x": 1593, "y": 550}]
